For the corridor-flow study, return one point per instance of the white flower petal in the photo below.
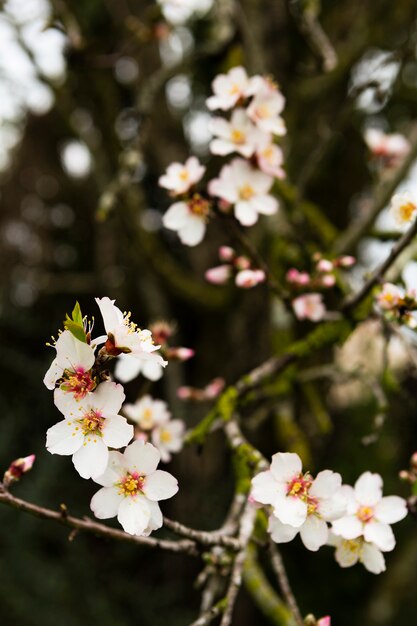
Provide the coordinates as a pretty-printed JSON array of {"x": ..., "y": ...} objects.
[
  {"x": 134, "y": 515},
  {"x": 285, "y": 466},
  {"x": 142, "y": 457},
  {"x": 368, "y": 489},
  {"x": 91, "y": 459},
  {"x": 325, "y": 484},
  {"x": 372, "y": 559},
  {"x": 155, "y": 520},
  {"x": 72, "y": 353},
  {"x": 264, "y": 488},
  {"x": 281, "y": 533},
  {"x": 391, "y": 509},
  {"x": 246, "y": 213},
  {"x": 105, "y": 503},
  {"x": 54, "y": 372},
  {"x": 381, "y": 535},
  {"x": 117, "y": 432},
  {"x": 348, "y": 527},
  {"x": 108, "y": 398},
  {"x": 314, "y": 533},
  {"x": 116, "y": 468},
  {"x": 160, "y": 486},
  {"x": 127, "y": 368},
  {"x": 192, "y": 232},
  {"x": 290, "y": 510},
  {"x": 348, "y": 553},
  {"x": 63, "y": 438},
  {"x": 176, "y": 216}
]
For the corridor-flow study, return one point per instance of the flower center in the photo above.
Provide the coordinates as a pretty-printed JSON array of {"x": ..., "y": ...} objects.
[
  {"x": 238, "y": 136},
  {"x": 146, "y": 421},
  {"x": 298, "y": 486},
  {"x": 183, "y": 175},
  {"x": 263, "y": 111},
  {"x": 312, "y": 504},
  {"x": 234, "y": 89},
  {"x": 78, "y": 382},
  {"x": 198, "y": 205},
  {"x": 407, "y": 211},
  {"x": 166, "y": 436},
  {"x": 131, "y": 484},
  {"x": 246, "y": 192},
  {"x": 365, "y": 513},
  {"x": 92, "y": 423}
]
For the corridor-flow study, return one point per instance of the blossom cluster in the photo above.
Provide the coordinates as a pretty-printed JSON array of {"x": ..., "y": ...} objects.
[
  {"x": 245, "y": 275},
  {"x": 310, "y": 306},
  {"x": 360, "y": 516},
  {"x": 388, "y": 149},
  {"x": 93, "y": 429},
  {"x": 153, "y": 422},
  {"x": 398, "y": 305},
  {"x": 244, "y": 184}
]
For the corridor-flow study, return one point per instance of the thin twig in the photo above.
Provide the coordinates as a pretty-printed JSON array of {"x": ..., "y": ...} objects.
[
  {"x": 314, "y": 35},
  {"x": 207, "y": 538},
  {"x": 89, "y": 526},
  {"x": 279, "y": 569},
  {"x": 377, "y": 275},
  {"x": 247, "y": 522},
  {"x": 210, "y": 615}
]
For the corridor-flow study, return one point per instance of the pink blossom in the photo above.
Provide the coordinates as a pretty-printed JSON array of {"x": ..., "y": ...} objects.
[
  {"x": 309, "y": 307},
  {"x": 249, "y": 278},
  {"x": 299, "y": 278},
  {"x": 179, "y": 178},
  {"x": 218, "y": 275},
  {"x": 226, "y": 253}
]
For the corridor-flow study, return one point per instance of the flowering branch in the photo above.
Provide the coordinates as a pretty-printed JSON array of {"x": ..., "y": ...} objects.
[
  {"x": 377, "y": 275},
  {"x": 100, "y": 530}
]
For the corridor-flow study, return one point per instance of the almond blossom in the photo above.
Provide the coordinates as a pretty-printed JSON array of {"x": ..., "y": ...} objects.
[
  {"x": 390, "y": 147},
  {"x": 264, "y": 110},
  {"x": 403, "y": 209},
  {"x": 351, "y": 551},
  {"x": 229, "y": 89},
  {"x": 128, "y": 368},
  {"x": 132, "y": 486},
  {"x": 152, "y": 416},
  {"x": 309, "y": 306},
  {"x": 369, "y": 515},
  {"x": 239, "y": 135},
  {"x": 188, "y": 219},
  {"x": 124, "y": 336},
  {"x": 218, "y": 275},
  {"x": 179, "y": 178},
  {"x": 246, "y": 279},
  {"x": 91, "y": 424},
  {"x": 325, "y": 503},
  {"x": 72, "y": 366},
  {"x": 270, "y": 159},
  {"x": 247, "y": 189}
]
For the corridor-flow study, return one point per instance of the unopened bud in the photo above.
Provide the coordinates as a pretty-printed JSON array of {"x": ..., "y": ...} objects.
[
  {"x": 242, "y": 263},
  {"x": 18, "y": 468},
  {"x": 226, "y": 254},
  {"x": 249, "y": 278},
  {"x": 346, "y": 261},
  {"x": 324, "y": 265},
  {"x": 218, "y": 275},
  {"x": 161, "y": 331},
  {"x": 328, "y": 281},
  {"x": 180, "y": 354},
  {"x": 404, "y": 475},
  {"x": 324, "y": 621}
]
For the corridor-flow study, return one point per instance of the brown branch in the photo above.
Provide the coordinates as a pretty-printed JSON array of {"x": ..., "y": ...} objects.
[
  {"x": 207, "y": 538},
  {"x": 279, "y": 569},
  {"x": 309, "y": 26},
  {"x": 382, "y": 197},
  {"x": 377, "y": 275},
  {"x": 100, "y": 530},
  {"x": 210, "y": 615}
]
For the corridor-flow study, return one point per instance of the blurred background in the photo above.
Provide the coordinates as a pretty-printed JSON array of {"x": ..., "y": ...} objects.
[{"x": 96, "y": 99}]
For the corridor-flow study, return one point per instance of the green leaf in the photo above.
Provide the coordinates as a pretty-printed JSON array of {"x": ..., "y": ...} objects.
[
  {"x": 75, "y": 324},
  {"x": 414, "y": 488}
]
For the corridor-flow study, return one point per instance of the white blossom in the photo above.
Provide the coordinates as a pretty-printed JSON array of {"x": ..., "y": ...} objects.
[
  {"x": 179, "y": 178},
  {"x": 247, "y": 189},
  {"x": 73, "y": 363},
  {"x": 403, "y": 209},
  {"x": 325, "y": 502},
  {"x": 229, "y": 89},
  {"x": 264, "y": 110},
  {"x": 90, "y": 425},
  {"x": 309, "y": 306},
  {"x": 239, "y": 135},
  {"x": 392, "y": 146},
  {"x": 128, "y": 367},
  {"x": 369, "y": 515},
  {"x": 351, "y": 551},
  {"x": 270, "y": 159},
  {"x": 188, "y": 219},
  {"x": 131, "y": 488}
]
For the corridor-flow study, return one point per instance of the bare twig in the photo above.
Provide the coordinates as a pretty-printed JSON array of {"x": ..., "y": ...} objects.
[
  {"x": 89, "y": 526},
  {"x": 207, "y": 538},
  {"x": 377, "y": 275},
  {"x": 247, "y": 522},
  {"x": 210, "y": 615},
  {"x": 281, "y": 574},
  {"x": 309, "y": 25}
]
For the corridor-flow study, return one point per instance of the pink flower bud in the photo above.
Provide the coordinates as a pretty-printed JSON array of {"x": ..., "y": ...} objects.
[
  {"x": 161, "y": 331},
  {"x": 218, "y": 275},
  {"x": 184, "y": 393},
  {"x": 346, "y": 261},
  {"x": 226, "y": 254},
  {"x": 215, "y": 387},
  {"x": 292, "y": 275},
  {"x": 242, "y": 263},
  {"x": 18, "y": 468},
  {"x": 324, "y": 265},
  {"x": 309, "y": 307},
  {"x": 249, "y": 278},
  {"x": 328, "y": 281},
  {"x": 180, "y": 354},
  {"x": 324, "y": 621}
]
